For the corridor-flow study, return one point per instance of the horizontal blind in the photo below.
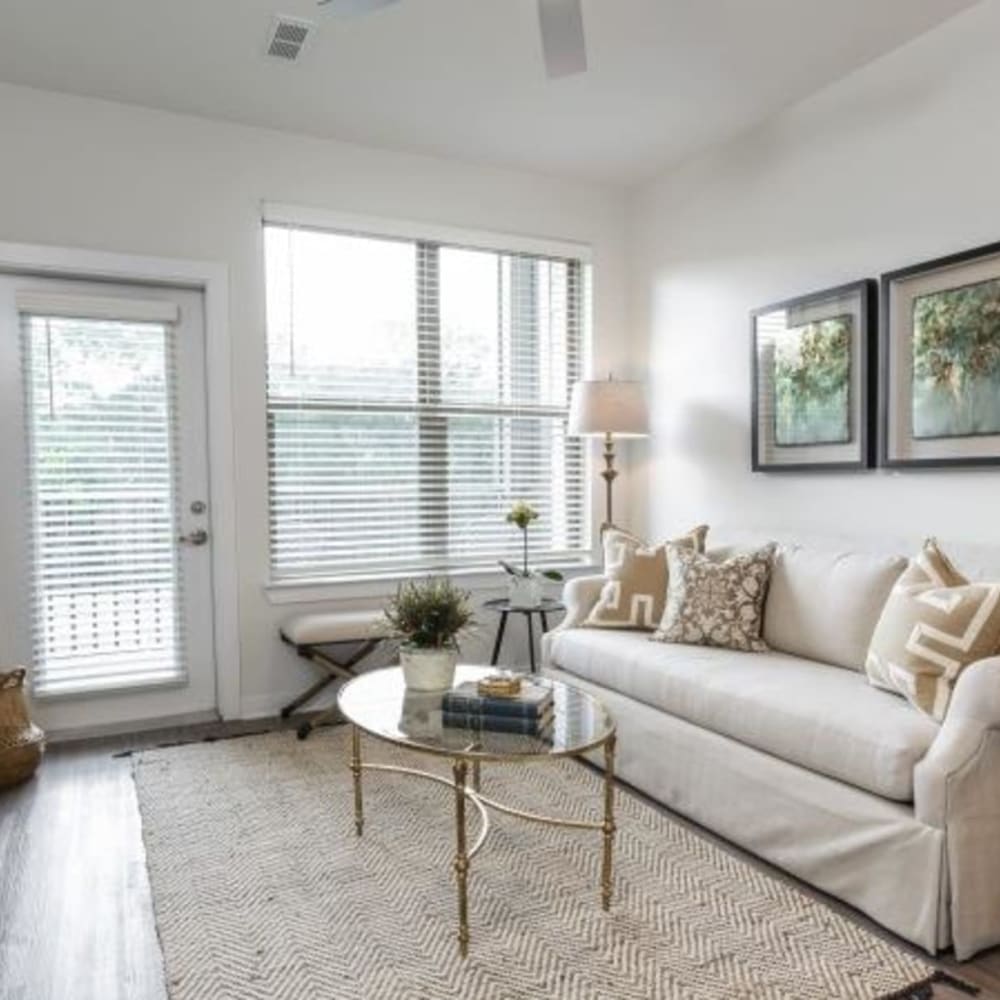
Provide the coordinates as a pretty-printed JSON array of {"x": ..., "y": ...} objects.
[
  {"x": 415, "y": 390},
  {"x": 100, "y": 405}
]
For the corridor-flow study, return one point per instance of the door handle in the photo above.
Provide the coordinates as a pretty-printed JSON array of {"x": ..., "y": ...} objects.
[{"x": 197, "y": 537}]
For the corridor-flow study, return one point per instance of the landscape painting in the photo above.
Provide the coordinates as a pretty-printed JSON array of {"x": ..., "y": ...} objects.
[
  {"x": 812, "y": 383},
  {"x": 956, "y": 362},
  {"x": 813, "y": 361}
]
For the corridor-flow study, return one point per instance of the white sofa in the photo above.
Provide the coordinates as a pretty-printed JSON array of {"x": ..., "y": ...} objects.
[{"x": 794, "y": 756}]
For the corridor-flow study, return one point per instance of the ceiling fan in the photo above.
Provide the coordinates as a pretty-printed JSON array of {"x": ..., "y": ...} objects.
[{"x": 561, "y": 23}]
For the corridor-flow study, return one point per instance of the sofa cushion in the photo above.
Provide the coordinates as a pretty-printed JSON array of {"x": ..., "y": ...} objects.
[
  {"x": 636, "y": 579},
  {"x": 934, "y": 625},
  {"x": 823, "y": 718},
  {"x": 823, "y": 604},
  {"x": 716, "y": 602}
]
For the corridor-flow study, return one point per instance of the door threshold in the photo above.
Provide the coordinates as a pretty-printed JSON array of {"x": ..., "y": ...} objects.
[{"x": 77, "y": 733}]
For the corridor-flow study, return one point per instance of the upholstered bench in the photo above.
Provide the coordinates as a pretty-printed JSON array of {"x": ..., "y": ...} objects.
[{"x": 336, "y": 642}]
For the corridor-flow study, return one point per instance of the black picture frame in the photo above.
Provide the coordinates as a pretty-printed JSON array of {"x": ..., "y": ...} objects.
[
  {"x": 865, "y": 447},
  {"x": 889, "y": 281}
]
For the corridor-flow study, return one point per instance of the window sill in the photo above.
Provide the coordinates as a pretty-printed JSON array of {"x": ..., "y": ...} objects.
[{"x": 478, "y": 580}]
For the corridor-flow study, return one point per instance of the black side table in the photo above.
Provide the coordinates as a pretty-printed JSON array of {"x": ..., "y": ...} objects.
[{"x": 503, "y": 607}]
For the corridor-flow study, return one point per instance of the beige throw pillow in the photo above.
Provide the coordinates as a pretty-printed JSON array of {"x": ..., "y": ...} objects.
[
  {"x": 635, "y": 588},
  {"x": 934, "y": 624},
  {"x": 716, "y": 603}
]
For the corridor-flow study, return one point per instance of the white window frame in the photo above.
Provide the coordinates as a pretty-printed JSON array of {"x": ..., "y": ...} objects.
[
  {"x": 364, "y": 225},
  {"x": 212, "y": 279},
  {"x": 280, "y": 592}
]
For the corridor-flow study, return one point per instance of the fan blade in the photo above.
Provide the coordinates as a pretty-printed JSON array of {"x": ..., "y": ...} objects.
[
  {"x": 353, "y": 8},
  {"x": 562, "y": 37}
]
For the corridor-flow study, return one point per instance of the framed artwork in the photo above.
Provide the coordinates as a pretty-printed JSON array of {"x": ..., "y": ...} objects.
[
  {"x": 940, "y": 361},
  {"x": 814, "y": 366}
]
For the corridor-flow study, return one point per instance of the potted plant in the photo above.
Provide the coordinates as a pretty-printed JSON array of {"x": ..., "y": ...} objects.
[
  {"x": 428, "y": 617},
  {"x": 524, "y": 586}
]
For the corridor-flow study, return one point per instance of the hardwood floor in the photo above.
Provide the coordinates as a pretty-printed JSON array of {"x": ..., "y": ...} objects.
[{"x": 76, "y": 918}]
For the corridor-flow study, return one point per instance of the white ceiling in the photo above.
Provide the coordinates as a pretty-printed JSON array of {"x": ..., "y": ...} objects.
[{"x": 464, "y": 77}]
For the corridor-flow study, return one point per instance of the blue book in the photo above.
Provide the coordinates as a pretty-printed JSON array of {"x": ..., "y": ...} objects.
[
  {"x": 533, "y": 701},
  {"x": 498, "y": 723}
]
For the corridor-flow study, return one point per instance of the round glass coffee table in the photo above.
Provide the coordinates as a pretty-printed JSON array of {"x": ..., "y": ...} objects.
[{"x": 378, "y": 704}]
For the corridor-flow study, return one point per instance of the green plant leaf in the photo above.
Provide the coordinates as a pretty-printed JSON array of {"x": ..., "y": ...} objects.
[
  {"x": 429, "y": 614},
  {"x": 508, "y": 568}
]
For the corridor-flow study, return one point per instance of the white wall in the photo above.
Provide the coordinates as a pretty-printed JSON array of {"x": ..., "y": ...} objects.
[
  {"x": 898, "y": 163},
  {"x": 82, "y": 173}
]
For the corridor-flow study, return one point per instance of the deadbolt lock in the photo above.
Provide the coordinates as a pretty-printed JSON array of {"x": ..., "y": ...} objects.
[{"x": 199, "y": 537}]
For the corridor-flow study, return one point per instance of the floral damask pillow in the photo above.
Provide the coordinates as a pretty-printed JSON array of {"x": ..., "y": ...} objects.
[{"x": 716, "y": 603}]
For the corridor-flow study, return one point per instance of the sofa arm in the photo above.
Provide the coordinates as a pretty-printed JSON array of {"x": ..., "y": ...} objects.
[
  {"x": 956, "y": 788},
  {"x": 580, "y": 595},
  {"x": 973, "y": 716}
]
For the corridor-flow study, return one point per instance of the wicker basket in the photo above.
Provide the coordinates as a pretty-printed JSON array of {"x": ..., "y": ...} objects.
[{"x": 22, "y": 743}]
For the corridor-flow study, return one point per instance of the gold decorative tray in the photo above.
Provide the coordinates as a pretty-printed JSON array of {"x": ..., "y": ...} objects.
[{"x": 505, "y": 685}]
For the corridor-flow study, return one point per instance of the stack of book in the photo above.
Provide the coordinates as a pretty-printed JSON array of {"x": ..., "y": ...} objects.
[{"x": 529, "y": 712}]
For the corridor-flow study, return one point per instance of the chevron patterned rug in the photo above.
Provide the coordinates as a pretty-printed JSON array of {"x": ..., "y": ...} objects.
[{"x": 262, "y": 891}]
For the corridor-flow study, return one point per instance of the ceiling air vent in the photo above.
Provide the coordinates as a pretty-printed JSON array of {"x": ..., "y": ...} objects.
[{"x": 288, "y": 36}]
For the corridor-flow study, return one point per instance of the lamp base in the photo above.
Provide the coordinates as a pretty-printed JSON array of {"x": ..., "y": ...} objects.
[{"x": 609, "y": 474}]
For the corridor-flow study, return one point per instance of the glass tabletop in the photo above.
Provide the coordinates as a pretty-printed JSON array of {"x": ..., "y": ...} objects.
[
  {"x": 378, "y": 703},
  {"x": 544, "y": 606}
]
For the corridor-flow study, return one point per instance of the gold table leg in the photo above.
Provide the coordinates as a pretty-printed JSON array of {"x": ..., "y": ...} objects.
[
  {"x": 463, "y": 854},
  {"x": 359, "y": 818},
  {"x": 608, "y": 827},
  {"x": 459, "y": 769}
]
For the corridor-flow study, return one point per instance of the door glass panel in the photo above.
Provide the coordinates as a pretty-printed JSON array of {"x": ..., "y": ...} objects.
[{"x": 102, "y": 474}]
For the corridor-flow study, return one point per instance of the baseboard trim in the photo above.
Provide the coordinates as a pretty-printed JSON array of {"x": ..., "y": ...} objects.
[{"x": 262, "y": 706}]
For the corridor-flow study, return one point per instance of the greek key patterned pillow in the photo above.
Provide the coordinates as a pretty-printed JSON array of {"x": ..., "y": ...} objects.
[
  {"x": 635, "y": 588},
  {"x": 716, "y": 603},
  {"x": 934, "y": 624}
]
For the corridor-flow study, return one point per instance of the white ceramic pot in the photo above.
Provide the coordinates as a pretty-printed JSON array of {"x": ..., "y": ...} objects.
[
  {"x": 524, "y": 591},
  {"x": 428, "y": 669}
]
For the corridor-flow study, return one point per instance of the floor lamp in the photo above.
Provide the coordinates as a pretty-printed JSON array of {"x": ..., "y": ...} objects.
[{"x": 608, "y": 408}]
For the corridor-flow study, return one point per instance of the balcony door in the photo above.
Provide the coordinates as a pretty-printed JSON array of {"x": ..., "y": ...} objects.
[{"x": 106, "y": 514}]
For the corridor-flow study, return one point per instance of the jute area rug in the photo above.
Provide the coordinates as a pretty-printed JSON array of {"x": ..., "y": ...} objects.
[{"x": 262, "y": 891}]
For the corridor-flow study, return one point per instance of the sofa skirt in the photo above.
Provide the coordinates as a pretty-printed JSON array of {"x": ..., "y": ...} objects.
[{"x": 868, "y": 851}]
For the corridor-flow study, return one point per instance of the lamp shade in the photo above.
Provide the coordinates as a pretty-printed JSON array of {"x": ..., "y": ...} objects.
[{"x": 608, "y": 407}]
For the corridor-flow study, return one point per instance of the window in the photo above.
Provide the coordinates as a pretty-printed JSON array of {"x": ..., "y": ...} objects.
[
  {"x": 99, "y": 399},
  {"x": 415, "y": 389}
]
